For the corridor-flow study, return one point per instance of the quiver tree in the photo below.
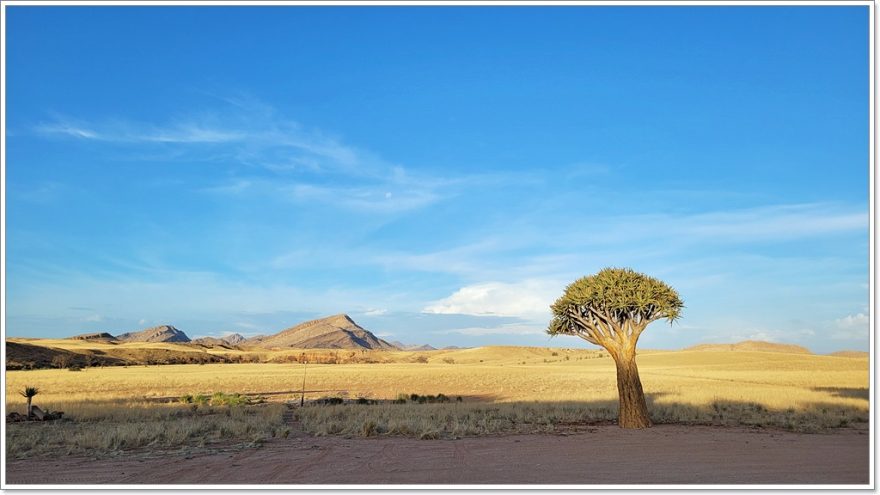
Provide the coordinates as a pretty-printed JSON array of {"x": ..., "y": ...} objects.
[
  {"x": 29, "y": 393},
  {"x": 611, "y": 309}
]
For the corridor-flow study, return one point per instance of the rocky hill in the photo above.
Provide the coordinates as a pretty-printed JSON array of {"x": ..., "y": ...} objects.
[
  {"x": 229, "y": 340},
  {"x": 334, "y": 332},
  {"x": 162, "y": 333},
  {"x": 234, "y": 339},
  {"x": 412, "y": 347},
  {"x": 98, "y": 336},
  {"x": 753, "y": 346}
]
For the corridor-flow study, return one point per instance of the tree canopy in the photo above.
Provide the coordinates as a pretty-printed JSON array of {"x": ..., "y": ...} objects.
[{"x": 612, "y": 306}]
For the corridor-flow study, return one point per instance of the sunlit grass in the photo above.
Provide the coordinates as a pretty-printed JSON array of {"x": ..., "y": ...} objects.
[
  {"x": 102, "y": 428},
  {"x": 503, "y": 390}
]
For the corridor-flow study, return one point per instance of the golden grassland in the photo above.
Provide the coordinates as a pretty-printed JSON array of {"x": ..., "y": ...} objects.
[{"x": 503, "y": 389}]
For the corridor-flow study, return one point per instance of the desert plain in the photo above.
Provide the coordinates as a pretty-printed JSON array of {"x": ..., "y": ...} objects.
[{"x": 746, "y": 414}]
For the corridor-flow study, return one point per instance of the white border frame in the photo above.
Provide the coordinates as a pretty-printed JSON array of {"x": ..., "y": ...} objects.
[{"x": 461, "y": 3}]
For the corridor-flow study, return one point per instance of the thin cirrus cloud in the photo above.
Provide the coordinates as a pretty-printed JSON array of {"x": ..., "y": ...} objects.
[
  {"x": 122, "y": 132},
  {"x": 251, "y": 134},
  {"x": 733, "y": 226},
  {"x": 273, "y": 155}
]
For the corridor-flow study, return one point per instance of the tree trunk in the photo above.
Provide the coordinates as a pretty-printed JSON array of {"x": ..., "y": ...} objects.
[
  {"x": 29, "y": 408},
  {"x": 633, "y": 411}
]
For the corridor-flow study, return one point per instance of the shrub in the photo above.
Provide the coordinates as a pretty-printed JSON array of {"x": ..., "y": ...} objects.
[
  {"x": 449, "y": 360},
  {"x": 222, "y": 399},
  {"x": 61, "y": 361}
]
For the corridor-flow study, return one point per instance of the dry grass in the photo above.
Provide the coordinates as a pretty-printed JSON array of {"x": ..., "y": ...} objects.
[
  {"x": 104, "y": 428},
  {"x": 454, "y": 420},
  {"x": 504, "y": 389}
]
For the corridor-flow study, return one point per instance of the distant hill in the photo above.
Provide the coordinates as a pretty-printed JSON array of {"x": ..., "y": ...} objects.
[
  {"x": 43, "y": 353},
  {"x": 256, "y": 339},
  {"x": 163, "y": 333},
  {"x": 234, "y": 339},
  {"x": 334, "y": 332},
  {"x": 99, "y": 336},
  {"x": 753, "y": 346},
  {"x": 229, "y": 340},
  {"x": 850, "y": 354},
  {"x": 412, "y": 347}
]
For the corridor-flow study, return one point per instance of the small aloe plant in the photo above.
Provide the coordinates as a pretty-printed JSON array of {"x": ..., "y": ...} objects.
[{"x": 29, "y": 393}]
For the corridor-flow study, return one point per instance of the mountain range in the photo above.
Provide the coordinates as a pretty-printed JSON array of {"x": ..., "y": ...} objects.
[{"x": 333, "y": 332}]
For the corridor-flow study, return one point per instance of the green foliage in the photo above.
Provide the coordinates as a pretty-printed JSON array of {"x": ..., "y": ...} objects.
[
  {"x": 216, "y": 399},
  {"x": 222, "y": 399},
  {"x": 614, "y": 296}
]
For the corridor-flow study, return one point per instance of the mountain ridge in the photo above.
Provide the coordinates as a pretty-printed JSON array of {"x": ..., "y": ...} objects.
[
  {"x": 337, "y": 331},
  {"x": 161, "y": 333}
]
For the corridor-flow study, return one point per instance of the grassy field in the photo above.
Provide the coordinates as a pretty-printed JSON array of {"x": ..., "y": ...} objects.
[{"x": 503, "y": 389}]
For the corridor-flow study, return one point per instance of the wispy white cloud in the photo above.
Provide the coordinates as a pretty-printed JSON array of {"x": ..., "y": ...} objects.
[
  {"x": 771, "y": 223},
  {"x": 67, "y": 128},
  {"x": 303, "y": 165},
  {"x": 128, "y": 132},
  {"x": 250, "y": 133},
  {"x": 852, "y": 327},
  {"x": 859, "y": 320},
  {"x": 774, "y": 222}
]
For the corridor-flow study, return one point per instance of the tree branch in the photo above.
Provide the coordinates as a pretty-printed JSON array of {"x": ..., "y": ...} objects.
[{"x": 595, "y": 336}]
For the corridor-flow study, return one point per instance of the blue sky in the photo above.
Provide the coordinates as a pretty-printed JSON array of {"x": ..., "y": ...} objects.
[{"x": 440, "y": 174}]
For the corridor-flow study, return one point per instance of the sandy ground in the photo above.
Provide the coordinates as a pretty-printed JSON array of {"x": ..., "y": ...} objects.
[{"x": 603, "y": 454}]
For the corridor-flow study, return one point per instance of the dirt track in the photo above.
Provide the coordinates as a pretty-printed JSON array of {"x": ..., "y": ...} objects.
[{"x": 604, "y": 455}]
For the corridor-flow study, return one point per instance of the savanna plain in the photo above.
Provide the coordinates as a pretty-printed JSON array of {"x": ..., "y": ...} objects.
[{"x": 458, "y": 416}]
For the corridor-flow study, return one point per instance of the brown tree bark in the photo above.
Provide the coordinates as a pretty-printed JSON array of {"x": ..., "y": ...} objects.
[{"x": 633, "y": 410}]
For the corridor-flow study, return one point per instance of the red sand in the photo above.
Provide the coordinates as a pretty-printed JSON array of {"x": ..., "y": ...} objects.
[{"x": 605, "y": 455}]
